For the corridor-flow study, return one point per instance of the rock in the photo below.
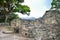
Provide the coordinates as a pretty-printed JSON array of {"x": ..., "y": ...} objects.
[{"x": 7, "y": 32}]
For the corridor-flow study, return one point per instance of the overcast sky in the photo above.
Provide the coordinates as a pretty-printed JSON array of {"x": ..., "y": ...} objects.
[{"x": 37, "y": 7}]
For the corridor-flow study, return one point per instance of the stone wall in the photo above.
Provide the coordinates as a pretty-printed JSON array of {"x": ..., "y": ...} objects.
[
  {"x": 45, "y": 28},
  {"x": 4, "y": 24}
]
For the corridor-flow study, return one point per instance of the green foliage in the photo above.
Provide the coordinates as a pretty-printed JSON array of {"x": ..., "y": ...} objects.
[
  {"x": 13, "y": 6},
  {"x": 55, "y": 4},
  {"x": 22, "y": 9},
  {"x": 1, "y": 20},
  {"x": 11, "y": 17},
  {"x": 21, "y": 1},
  {"x": 10, "y": 6}
]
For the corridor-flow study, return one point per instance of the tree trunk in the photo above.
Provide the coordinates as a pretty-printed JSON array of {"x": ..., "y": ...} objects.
[{"x": 6, "y": 18}]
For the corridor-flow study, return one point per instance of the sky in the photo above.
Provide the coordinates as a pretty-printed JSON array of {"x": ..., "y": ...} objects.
[{"x": 37, "y": 7}]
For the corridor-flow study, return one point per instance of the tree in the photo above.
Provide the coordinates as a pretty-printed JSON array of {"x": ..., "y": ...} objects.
[
  {"x": 55, "y": 4},
  {"x": 11, "y": 17},
  {"x": 12, "y": 6}
]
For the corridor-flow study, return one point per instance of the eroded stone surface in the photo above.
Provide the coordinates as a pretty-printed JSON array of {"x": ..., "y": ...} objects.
[{"x": 45, "y": 28}]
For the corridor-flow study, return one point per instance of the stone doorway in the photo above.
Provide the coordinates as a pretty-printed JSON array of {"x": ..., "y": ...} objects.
[{"x": 16, "y": 30}]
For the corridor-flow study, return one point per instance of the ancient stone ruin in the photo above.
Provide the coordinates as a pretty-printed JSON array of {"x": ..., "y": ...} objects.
[{"x": 44, "y": 28}]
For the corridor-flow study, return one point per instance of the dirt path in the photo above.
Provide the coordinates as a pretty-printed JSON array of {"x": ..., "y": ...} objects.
[{"x": 12, "y": 37}]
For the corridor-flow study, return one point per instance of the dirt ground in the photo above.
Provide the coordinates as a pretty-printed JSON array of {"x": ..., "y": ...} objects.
[{"x": 12, "y": 37}]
